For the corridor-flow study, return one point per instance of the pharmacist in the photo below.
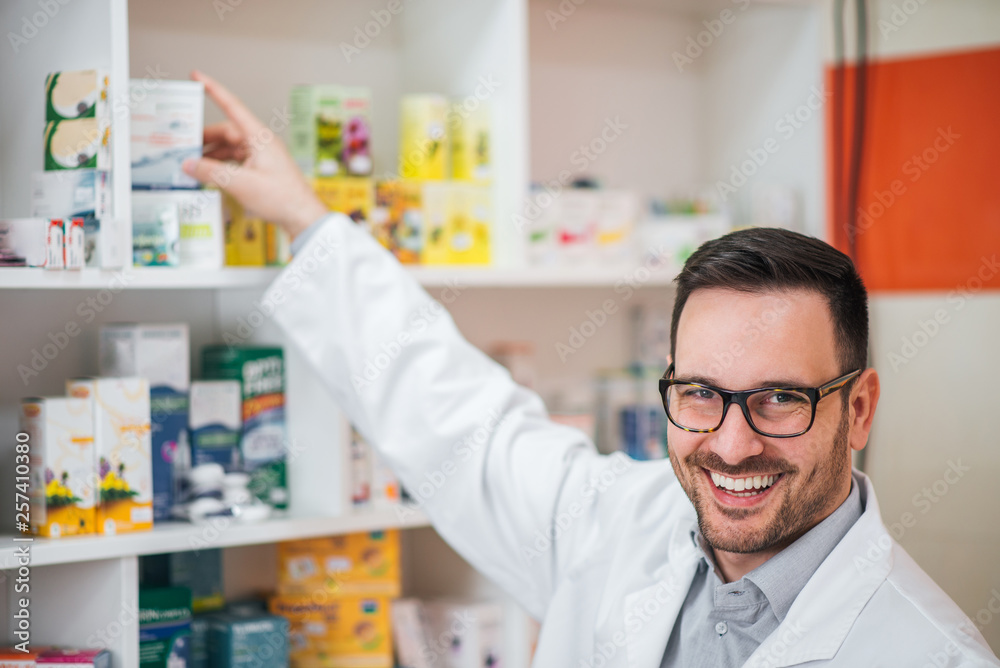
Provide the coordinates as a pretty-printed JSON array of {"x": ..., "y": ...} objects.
[{"x": 756, "y": 545}]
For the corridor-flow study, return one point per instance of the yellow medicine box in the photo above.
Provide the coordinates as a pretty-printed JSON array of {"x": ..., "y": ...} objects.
[
  {"x": 423, "y": 144},
  {"x": 123, "y": 451},
  {"x": 353, "y": 197},
  {"x": 359, "y": 563},
  {"x": 61, "y": 456},
  {"x": 397, "y": 221},
  {"x": 336, "y": 632},
  {"x": 457, "y": 222}
]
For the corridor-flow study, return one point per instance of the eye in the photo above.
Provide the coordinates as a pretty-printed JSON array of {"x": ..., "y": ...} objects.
[
  {"x": 696, "y": 393},
  {"x": 784, "y": 398}
]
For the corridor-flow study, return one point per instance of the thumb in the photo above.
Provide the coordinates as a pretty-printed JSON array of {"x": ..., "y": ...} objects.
[{"x": 208, "y": 170}]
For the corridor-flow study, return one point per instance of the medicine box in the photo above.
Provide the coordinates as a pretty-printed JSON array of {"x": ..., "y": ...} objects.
[
  {"x": 166, "y": 129},
  {"x": 236, "y": 641},
  {"x": 11, "y": 657},
  {"x": 472, "y": 633},
  {"x": 200, "y": 572},
  {"x": 356, "y": 110},
  {"x": 353, "y": 197},
  {"x": 358, "y": 564},
  {"x": 337, "y": 632},
  {"x": 63, "y": 475},
  {"x": 199, "y": 214},
  {"x": 397, "y": 220},
  {"x": 260, "y": 371},
  {"x": 471, "y": 148},
  {"x": 423, "y": 144},
  {"x": 215, "y": 421},
  {"x": 161, "y": 354},
  {"x": 457, "y": 223},
  {"x": 76, "y": 94},
  {"x": 164, "y": 627},
  {"x": 252, "y": 241},
  {"x": 122, "y": 451},
  {"x": 80, "y": 143},
  {"x": 156, "y": 233},
  {"x": 73, "y": 658},
  {"x": 316, "y": 131},
  {"x": 73, "y": 243}
]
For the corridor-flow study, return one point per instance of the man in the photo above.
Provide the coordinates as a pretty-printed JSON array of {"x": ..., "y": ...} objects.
[{"x": 758, "y": 546}]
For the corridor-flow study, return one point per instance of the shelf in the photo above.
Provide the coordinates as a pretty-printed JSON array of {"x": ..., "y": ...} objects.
[
  {"x": 165, "y": 278},
  {"x": 181, "y": 537}
]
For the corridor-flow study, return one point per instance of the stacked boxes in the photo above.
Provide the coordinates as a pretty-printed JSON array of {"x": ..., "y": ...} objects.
[
  {"x": 164, "y": 627},
  {"x": 78, "y": 121},
  {"x": 160, "y": 354},
  {"x": 260, "y": 372},
  {"x": 63, "y": 490},
  {"x": 330, "y": 130},
  {"x": 122, "y": 438},
  {"x": 198, "y": 235},
  {"x": 335, "y": 592}
]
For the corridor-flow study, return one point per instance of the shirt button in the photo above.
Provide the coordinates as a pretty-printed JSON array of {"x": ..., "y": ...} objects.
[{"x": 721, "y": 628}]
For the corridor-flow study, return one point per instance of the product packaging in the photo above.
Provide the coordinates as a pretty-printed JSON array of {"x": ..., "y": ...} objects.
[
  {"x": 80, "y": 143},
  {"x": 54, "y": 657},
  {"x": 63, "y": 477},
  {"x": 81, "y": 193},
  {"x": 11, "y": 657},
  {"x": 644, "y": 432},
  {"x": 200, "y": 572},
  {"x": 468, "y": 635},
  {"x": 457, "y": 222},
  {"x": 252, "y": 241},
  {"x": 260, "y": 371},
  {"x": 357, "y": 124},
  {"x": 199, "y": 214},
  {"x": 316, "y": 132},
  {"x": 409, "y": 634},
  {"x": 166, "y": 129},
  {"x": 215, "y": 422},
  {"x": 76, "y": 94},
  {"x": 423, "y": 144},
  {"x": 31, "y": 242},
  {"x": 73, "y": 243},
  {"x": 354, "y": 564},
  {"x": 337, "y": 632},
  {"x": 164, "y": 627},
  {"x": 122, "y": 450},
  {"x": 397, "y": 220},
  {"x": 156, "y": 233},
  {"x": 353, "y": 197},
  {"x": 235, "y": 641},
  {"x": 160, "y": 354},
  {"x": 471, "y": 149}
]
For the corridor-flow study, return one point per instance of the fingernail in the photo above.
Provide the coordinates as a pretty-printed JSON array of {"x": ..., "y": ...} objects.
[{"x": 188, "y": 165}]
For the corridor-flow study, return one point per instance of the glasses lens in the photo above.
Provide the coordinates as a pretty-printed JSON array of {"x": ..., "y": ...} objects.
[
  {"x": 780, "y": 412},
  {"x": 694, "y": 407}
]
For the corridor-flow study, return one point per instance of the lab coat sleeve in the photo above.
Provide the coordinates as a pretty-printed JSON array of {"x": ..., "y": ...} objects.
[{"x": 478, "y": 451}]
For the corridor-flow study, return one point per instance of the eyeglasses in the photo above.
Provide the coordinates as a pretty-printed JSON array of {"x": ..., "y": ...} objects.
[{"x": 778, "y": 412}]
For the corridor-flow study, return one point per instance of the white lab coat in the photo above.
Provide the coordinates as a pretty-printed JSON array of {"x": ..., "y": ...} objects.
[{"x": 596, "y": 547}]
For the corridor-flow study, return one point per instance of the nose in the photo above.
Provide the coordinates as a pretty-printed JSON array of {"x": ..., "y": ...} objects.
[{"x": 735, "y": 440}]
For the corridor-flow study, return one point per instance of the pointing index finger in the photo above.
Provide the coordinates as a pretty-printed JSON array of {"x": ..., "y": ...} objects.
[{"x": 231, "y": 105}]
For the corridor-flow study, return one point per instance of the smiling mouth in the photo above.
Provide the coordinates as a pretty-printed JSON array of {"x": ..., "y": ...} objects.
[{"x": 746, "y": 486}]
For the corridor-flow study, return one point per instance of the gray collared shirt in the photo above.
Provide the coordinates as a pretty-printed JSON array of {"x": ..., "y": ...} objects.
[{"x": 722, "y": 624}]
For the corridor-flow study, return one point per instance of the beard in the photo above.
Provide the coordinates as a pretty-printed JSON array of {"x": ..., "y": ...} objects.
[{"x": 798, "y": 509}]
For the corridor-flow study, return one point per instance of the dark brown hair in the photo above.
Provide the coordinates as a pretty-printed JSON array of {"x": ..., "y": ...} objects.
[{"x": 764, "y": 259}]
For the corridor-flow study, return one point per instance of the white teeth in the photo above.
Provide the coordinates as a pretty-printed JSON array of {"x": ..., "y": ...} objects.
[{"x": 742, "y": 486}]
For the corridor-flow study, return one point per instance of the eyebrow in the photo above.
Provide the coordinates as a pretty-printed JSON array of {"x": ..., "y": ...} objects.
[{"x": 781, "y": 383}]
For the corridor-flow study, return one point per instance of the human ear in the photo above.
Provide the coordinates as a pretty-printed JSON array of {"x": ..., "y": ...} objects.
[{"x": 864, "y": 399}]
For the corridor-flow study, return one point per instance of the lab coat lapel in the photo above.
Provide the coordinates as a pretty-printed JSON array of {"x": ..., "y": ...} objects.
[
  {"x": 651, "y": 611},
  {"x": 828, "y": 606}
]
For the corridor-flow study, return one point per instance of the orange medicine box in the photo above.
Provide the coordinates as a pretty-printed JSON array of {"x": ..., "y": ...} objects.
[
  {"x": 14, "y": 658},
  {"x": 336, "y": 631},
  {"x": 357, "y": 564}
]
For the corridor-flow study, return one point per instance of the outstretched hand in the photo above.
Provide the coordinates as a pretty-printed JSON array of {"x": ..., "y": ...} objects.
[{"x": 245, "y": 158}]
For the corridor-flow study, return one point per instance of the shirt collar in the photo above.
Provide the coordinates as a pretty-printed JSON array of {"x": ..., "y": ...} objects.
[{"x": 783, "y": 576}]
